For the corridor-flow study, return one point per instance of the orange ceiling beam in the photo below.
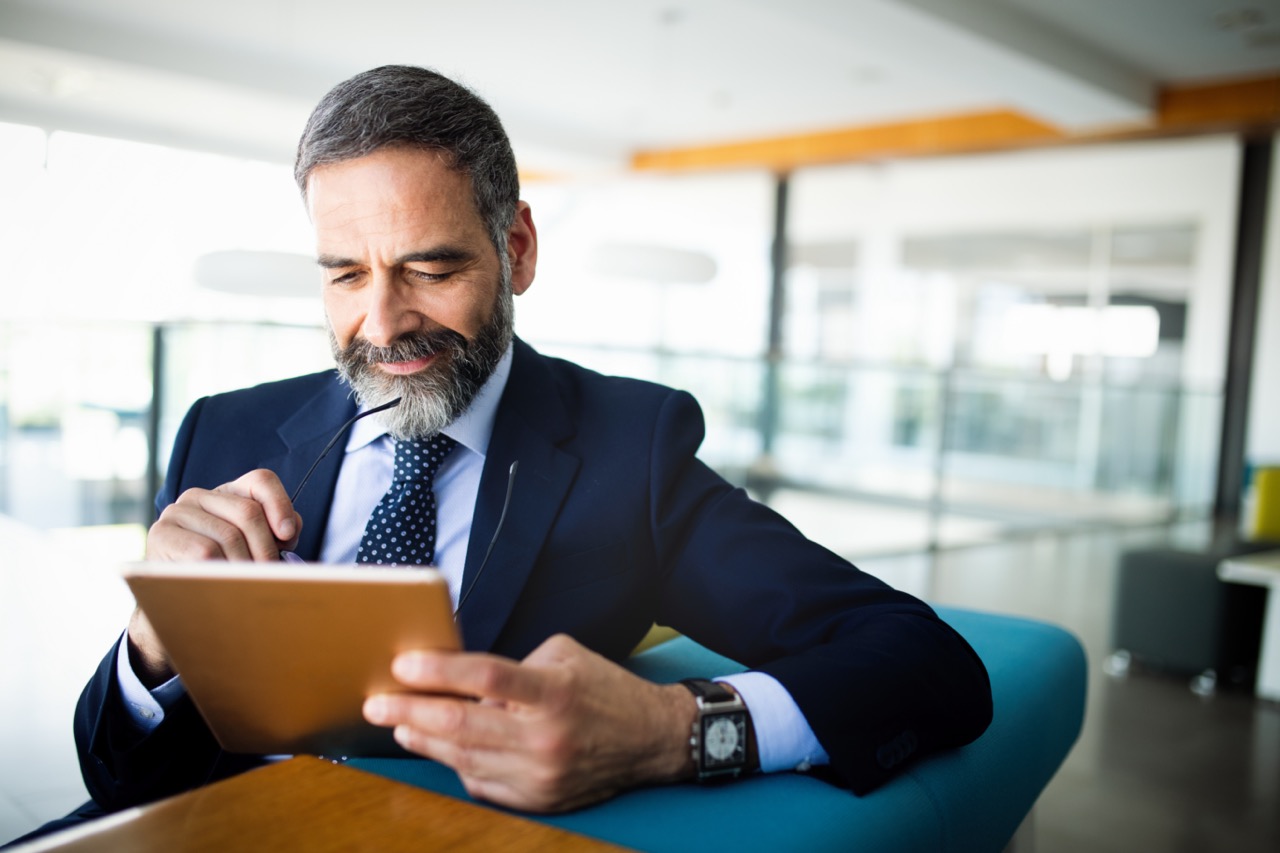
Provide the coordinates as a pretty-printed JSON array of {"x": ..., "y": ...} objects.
[{"x": 1239, "y": 105}]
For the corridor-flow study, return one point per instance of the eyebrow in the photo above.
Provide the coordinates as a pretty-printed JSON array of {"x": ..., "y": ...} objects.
[{"x": 442, "y": 254}]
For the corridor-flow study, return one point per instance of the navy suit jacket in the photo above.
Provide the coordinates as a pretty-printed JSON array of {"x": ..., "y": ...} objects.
[{"x": 614, "y": 524}]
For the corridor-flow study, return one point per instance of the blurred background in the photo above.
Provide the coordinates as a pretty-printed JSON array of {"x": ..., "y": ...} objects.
[{"x": 979, "y": 293}]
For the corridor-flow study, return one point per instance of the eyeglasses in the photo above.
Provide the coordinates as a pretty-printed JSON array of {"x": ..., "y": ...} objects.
[
  {"x": 293, "y": 498},
  {"x": 502, "y": 517}
]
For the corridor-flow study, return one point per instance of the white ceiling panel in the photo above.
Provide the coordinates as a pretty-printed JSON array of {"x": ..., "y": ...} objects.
[{"x": 583, "y": 84}]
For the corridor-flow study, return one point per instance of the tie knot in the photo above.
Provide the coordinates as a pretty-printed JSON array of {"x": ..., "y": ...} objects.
[{"x": 417, "y": 460}]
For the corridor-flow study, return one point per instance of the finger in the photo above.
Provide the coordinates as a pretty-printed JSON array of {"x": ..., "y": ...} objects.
[
  {"x": 464, "y": 723},
  {"x": 512, "y": 795},
  {"x": 494, "y": 766},
  {"x": 239, "y": 523},
  {"x": 495, "y": 791},
  {"x": 187, "y": 530},
  {"x": 511, "y": 778},
  {"x": 470, "y": 674},
  {"x": 483, "y": 741},
  {"x": 265, "y": 488},
  {"x": 226, "y": 523},
  {"x": 470, "y": 738}
]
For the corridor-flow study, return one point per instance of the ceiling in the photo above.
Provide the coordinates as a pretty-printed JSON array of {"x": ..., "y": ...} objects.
[{"x": 584, "y": 84}]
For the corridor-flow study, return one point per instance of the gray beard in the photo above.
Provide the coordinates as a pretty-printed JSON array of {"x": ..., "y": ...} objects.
[{"x": 433, "y": 398}]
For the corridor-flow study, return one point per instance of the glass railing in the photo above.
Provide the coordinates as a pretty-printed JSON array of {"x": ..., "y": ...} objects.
[
  {"x": 865, "y": 458},
  {"x": 873, "y": 458}
]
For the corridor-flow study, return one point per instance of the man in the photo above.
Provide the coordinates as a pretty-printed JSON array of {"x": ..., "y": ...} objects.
[{"x": 613, "y": 523}]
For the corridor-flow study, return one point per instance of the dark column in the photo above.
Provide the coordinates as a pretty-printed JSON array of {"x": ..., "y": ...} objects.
[
  {"x": 762, "y": 476},
  {"x": 153, "y": 417},
  {"x": 1246, "y": 284},
  {"x": 771, "y": 400}
]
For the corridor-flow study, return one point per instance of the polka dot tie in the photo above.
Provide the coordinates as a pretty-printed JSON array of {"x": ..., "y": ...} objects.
[{"x": 402, "y": 529}]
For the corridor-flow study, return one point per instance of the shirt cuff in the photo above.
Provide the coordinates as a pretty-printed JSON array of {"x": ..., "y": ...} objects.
[
  {"x": 146, "y": 707},
  {"x": 784, "y": 740}
]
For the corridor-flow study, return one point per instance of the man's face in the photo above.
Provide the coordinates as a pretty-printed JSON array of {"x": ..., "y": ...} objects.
[{"x": 418, "y": 300}]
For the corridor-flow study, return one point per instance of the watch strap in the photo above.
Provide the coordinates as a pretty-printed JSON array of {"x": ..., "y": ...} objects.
[{"x": 709, "y": 691}]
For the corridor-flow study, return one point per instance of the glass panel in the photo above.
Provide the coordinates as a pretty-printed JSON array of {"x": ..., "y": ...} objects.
[
  {"x": 209, "y": 358},
  {"x": 74, "y": 444},
  {"x": 1064, "y": 312},
  {"x": 727, "y": 389},
  {"x": 73, "y": 437},
  {"x": 857, "y": 451}
]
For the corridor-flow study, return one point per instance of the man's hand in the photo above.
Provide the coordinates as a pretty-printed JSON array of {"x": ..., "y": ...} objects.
[
  {"x": 563, "y": 728},
  {"x": 248, "y": 519}
]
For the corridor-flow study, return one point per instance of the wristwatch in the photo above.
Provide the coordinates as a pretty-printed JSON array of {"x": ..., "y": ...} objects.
[{"x": 721, "y": 733}]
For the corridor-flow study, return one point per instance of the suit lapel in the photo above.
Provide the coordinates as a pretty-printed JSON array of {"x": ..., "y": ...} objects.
[
  {"x": 304, "y": 435},
  {"x": 530, "y": 424}
]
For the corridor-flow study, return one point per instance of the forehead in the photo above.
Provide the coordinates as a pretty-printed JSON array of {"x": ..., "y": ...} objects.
[{"x": 391, "y": 191}]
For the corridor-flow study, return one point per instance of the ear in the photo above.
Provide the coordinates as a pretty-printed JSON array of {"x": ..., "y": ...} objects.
[{"x": 522, "y": 247}]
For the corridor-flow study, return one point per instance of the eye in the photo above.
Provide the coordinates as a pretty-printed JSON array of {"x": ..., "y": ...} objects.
[
  {"x": 424, "y": 275},
  {"x": 345, "y": 278}
]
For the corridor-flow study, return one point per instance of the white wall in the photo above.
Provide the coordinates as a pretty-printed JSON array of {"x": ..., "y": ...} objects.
[{"x": 725, "y": 218}]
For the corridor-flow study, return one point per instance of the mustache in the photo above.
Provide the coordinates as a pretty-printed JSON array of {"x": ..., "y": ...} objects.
[{"x": 411, "y": 346}]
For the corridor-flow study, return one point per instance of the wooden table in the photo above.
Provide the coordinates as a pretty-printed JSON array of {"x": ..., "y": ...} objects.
[
  {"x": 1262, "y": 569},
  {"x": 314, "y": 805}
]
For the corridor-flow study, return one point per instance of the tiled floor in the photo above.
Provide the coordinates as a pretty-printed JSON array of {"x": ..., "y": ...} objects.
[{"x": 1157, "y": 768}]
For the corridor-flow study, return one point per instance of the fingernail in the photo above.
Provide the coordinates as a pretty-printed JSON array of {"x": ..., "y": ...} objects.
[
  {"x": 407, "y": 665},
  {"x": 287, "y": 529},
  {"x": 375, "y": 710}
]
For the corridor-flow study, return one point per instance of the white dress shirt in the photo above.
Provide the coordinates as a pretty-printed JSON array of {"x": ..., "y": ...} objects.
[{"x": 783, "y": 738}]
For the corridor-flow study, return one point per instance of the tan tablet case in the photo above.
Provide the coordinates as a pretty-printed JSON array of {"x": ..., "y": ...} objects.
[{"x": 280, "y": 658}]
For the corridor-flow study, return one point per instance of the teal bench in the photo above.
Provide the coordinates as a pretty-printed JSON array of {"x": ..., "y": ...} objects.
[{"x": 969, "y": 799}]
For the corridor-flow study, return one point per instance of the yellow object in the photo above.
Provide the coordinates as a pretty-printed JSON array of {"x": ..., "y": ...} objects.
[
  {"x": 657, "y": 635},
  {"x": 1266, "y": 484}
]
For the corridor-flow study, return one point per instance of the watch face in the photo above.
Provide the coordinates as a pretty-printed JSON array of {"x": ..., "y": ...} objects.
[{"x": 724, "y": 739}]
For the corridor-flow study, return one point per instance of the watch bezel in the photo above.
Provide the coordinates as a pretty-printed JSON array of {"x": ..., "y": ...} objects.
[
  {"x": 715, "y": 702},
  {"x": 737, "y": 760}
]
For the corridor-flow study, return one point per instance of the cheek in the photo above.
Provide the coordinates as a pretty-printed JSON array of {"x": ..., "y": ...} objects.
[
  {"x": 342, "y": 320},
  {"x": 465, "y": 313}
]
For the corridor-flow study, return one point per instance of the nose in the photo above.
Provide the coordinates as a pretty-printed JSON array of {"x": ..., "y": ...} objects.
[{"x": 389, "y": 313}]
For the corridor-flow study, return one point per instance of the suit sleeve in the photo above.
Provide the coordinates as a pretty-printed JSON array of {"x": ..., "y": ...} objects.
[
  {"x": 878, "y": 676},
  {"x": 121, "y": 765}
]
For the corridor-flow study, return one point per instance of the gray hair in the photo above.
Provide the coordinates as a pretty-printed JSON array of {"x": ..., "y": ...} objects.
[{"x": 419, "y": 108}]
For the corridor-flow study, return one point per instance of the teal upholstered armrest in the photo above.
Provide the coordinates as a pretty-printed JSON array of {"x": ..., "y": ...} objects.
[{"x": 969, "y": 799}]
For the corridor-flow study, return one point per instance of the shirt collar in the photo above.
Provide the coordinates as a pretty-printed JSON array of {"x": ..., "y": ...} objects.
[{"x": 472, "y": 429}]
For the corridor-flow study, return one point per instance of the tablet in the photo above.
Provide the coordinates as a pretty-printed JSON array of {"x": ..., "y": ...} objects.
[{"x": 279, "y": 658}]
